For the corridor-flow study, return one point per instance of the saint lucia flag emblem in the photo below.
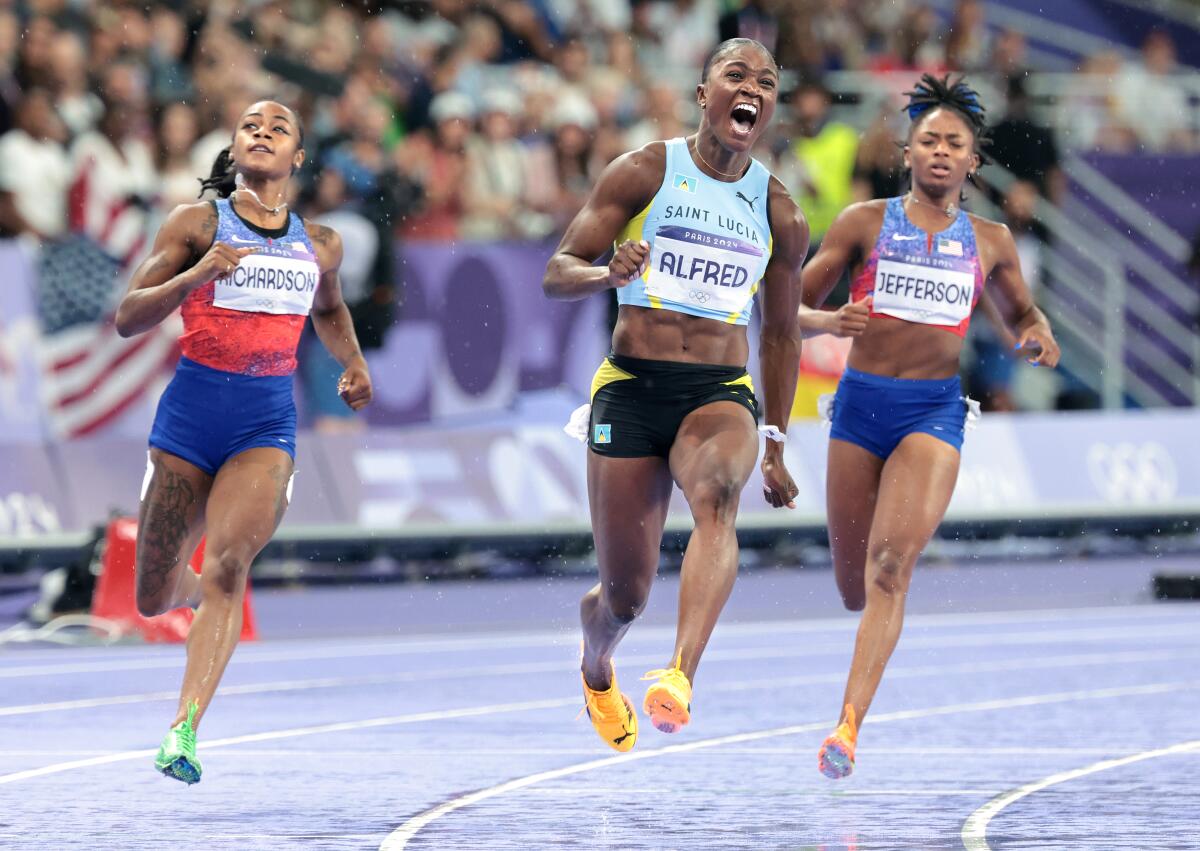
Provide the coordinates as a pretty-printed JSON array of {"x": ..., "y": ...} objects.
[
  {"x": 602, "y": 433},
  {"x": 682, "y": 181}
]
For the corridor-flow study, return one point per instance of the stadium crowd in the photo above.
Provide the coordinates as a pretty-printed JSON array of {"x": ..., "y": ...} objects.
[{"x": 491, "y": 119}]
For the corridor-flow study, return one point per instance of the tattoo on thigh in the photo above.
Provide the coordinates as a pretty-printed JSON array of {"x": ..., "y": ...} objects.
[{"x": 165, "y": 523}]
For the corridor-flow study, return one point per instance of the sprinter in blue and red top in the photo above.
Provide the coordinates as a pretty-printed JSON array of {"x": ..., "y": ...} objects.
[
  {"x": 920, "y": 264},
  {"x": 246, "y": 273}
]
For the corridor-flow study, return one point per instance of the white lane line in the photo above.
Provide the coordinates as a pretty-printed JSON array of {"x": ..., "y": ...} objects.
[
  {"x": 324, "y": 647},
  {"x": 1065, "y": 636},
  {"x": 319, "y": 729},
  {"x": 901, "y": 672},
  {"x": 974, "y": 831},
  {"x": 400, "y": 837}
]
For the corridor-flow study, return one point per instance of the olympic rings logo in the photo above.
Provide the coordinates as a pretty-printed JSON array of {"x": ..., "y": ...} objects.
[
  {"x": 699, "y": 296},
  {"x": 266, "y": 302},
  {"x": 1133, "y": 473}
]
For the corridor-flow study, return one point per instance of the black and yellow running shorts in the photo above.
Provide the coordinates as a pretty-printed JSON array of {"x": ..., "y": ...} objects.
[{"x": 638, "y": 405}]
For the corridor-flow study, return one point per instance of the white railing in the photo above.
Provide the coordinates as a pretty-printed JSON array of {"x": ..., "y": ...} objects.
[
  {"x": 1088, "y": 261},
  {"x": 1087, "y": 264}
]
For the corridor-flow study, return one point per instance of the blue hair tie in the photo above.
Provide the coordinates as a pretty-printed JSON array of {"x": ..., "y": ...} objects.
[{"x": 915, "y": 110}]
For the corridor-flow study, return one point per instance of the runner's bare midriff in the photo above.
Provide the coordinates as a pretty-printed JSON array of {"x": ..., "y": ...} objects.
[{"x": 667, "y": 335}]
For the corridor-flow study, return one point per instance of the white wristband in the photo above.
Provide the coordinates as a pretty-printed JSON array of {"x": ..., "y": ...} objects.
[{"x": 771, "y": 432}]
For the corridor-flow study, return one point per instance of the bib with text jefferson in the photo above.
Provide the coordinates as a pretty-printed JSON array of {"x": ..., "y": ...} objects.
[
  {"x": 927, "y": 278},
  {"x": 710, "y": 241}
]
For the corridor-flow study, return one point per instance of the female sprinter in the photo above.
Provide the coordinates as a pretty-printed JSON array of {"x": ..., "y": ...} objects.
[
  {"x": 698, "y": 227},
  {"x": 246, "y": 272},
  {"x": 899, "y": 412}
]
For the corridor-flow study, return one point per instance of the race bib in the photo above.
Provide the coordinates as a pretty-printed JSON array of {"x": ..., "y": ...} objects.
[
  {"x": 923, "y": 294},
  {"x": 271, "y": 281},
  {"x": 691, "y": 267}
]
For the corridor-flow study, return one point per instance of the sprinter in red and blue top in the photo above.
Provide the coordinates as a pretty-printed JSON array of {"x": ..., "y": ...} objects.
[
  {"x": 247, "y": 274},
  {"x": 920, "y": 264}
]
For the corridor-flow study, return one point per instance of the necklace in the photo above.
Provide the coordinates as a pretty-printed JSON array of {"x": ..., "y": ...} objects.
[
  {"x": 696, "y": 148},
  {"x": 242, "y": 187},
  {"x": 948, "y": 211}
]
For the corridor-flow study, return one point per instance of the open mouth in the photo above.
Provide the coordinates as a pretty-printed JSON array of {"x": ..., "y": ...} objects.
[
  {"x": 742, "y": 119},
  {"x": 940, "y": 170},
  {"x": 261, "y": 149}
]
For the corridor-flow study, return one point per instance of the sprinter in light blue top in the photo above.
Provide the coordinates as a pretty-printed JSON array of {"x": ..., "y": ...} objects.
[
  {"x": 710, "y": 241},
  {"x": 697, "y": 230}
]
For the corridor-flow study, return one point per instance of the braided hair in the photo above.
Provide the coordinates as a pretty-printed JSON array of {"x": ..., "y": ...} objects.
[
  {"x": 932, "y": 92},
  {"x": 223, "y": 177}
]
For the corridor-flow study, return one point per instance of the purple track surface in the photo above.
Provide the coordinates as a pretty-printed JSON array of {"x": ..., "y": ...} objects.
[{"x": 443, "y": 716}]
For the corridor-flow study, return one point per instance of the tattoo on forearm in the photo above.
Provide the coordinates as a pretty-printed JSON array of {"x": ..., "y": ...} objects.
[{"x": 165, "y": 522}]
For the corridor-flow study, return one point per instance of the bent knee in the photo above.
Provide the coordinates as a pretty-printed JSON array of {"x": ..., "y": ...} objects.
[
  {"x": 625, "y": 605},
  {"x": 891, "y": 568},
  {"x": 151, "y": 605},
  {"x": 716, "y": 499},
  {"x": 855, "y": 601},
  {"x": 225, "y": 573}
]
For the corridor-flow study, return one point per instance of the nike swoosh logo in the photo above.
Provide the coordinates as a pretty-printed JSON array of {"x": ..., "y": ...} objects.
[
  {"x": 239, "y": 239},
  {"x": 897, "y": 236}
]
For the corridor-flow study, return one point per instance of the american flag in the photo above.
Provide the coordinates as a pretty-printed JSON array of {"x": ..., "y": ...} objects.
[{"x": 90, "y": 375}]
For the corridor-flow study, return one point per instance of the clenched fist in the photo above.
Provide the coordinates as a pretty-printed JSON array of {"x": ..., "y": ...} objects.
[{"x": 628, "y": 263}]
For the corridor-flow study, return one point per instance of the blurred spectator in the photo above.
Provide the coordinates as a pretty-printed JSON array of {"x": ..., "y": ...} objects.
[
  {"x": 993, "y": 367},
  {"x": 78, "y": 106},
  {"x": 1151, "y": 101},
  {"x": 573, "y": 64},
  {"x": 563, "y": 172},
  {"x": 178, "y": 181},
  {"x": 879, "y": 165},
  {"x": 688, "y": 31},
  {"x": 1089, "y": 116},
  {"x": 1026, "y": 148},
  {"x": 1009, "y": 50},
  {"x": 170, "y": 78},
  {"x": 438, "y": 163},
  {"x": 476, "y": 62},
  {"x": 34, "y": 170},
  {"x": 230, "y": 109},
  {"x": 749, "y": 19},
  {"x": 913, "y": 45},
  {"x": 33, "y": 57},
  {"x": 361, "y": 159},
  {"x": 523, "y": 25},
  {"x": 496, "y": 175},
  {"x": 332, "y": 205},
  {"x": 819, "y": 166},
  {"x": 967, "y": 38},
  {"x": 662, "y": 111},
  {"x": 113, "y": 181},
  {"x": 609, "y": 95},
  {"x": 589, "y": 15},
  {"x": 10, "y": 89}
]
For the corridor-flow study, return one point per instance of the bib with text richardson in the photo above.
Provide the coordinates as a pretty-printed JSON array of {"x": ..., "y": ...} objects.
[{"x": 278, "y": 279}]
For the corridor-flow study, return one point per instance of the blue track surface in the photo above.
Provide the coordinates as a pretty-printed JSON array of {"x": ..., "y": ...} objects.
[{"x": 354, "y": 741}]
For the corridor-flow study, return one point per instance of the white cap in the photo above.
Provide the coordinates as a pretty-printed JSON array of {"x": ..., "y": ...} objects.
[
  {"x": 450, "y": 105},
  {"x": 502, "y": 100},
  {"x": 574, "y": 109}
]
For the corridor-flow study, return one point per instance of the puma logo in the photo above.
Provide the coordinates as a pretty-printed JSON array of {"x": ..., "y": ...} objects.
[
  {"x": 748, "y": 201},
  {"x": 620, "y": 739}
]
